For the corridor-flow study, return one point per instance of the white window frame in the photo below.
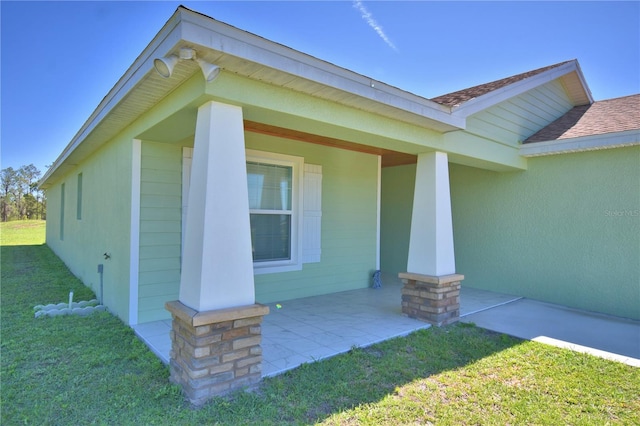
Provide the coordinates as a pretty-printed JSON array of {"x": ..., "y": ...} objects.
[{"x": 297, "y": 182}]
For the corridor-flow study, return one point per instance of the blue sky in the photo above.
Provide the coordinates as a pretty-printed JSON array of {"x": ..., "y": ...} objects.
[{"x": 59, "y": 59}]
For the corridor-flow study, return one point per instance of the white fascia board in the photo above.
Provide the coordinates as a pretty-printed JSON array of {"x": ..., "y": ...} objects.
[
  {"x": 185, "y": 27},
  {"x": 585, "y": 143},
  {"x": 499, "y": 95},
  {"x": 583, "y": 82},
  {"x": 242, "y": 44},
  {"x": 164, "y": 40}
]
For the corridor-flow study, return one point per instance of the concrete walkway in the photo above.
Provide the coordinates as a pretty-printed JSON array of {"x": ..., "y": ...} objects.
[
  {"x": 605, "y": 336},
  {"x": 313, "y": 328}
]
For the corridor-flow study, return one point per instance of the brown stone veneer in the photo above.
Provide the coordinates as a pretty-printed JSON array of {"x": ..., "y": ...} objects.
[
  {"x": 435, "y": 300},
  {"x": 215, "y": 352}
]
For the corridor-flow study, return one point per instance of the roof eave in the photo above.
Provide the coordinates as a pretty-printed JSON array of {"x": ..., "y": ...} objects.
[
  {"x": 580, "y": 144},
  {"x": 189, "y": 28},
  {"x": 134, "y": 74},
  {"x": 260, "y": 52}
]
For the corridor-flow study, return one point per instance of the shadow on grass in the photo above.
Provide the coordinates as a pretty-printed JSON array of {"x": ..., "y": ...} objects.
[
  {"x": 314, "y": 392},
  {"x": 67, "y": 369},
  {"x": 79, "y": 370},
  {"x": 33, "y": 274}
]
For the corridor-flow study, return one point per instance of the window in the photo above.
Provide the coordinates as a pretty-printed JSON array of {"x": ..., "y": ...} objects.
[
  {"x": 79, "y": 198},
  {"x": 285, "y": 232},
  {"x": 274, "y": 186}
]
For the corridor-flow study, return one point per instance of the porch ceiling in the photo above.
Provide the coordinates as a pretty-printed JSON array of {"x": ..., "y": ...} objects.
[
  {"x": 181, "y": 125},
  {"x": 389, "y": 157}
]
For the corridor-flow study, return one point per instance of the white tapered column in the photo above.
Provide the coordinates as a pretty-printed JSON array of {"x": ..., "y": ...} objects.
[
  {"x": 431, "y": 290},
  {"x": 217, "y": 265},
  {"x": 431, "y": 239}
]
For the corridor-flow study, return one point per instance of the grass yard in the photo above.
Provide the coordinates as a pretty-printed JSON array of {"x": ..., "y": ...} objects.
[{"x": 93, "y": 370}]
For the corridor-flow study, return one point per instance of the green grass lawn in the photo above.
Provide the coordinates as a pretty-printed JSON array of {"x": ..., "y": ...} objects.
[{"x": 93, "y": 370}]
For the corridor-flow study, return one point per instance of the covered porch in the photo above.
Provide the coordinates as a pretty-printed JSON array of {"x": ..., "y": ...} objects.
[
  {"x": 312, "y": 328},
  {"x": 232, "y": 251}
]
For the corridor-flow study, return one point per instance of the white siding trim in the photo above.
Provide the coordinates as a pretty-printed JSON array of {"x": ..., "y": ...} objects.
[
  {"x": 312, "y": 215},
  {"x": 585, "y": 143},
  {"x": 134, "y": 248},
  {"x": 378, "y": 213}
]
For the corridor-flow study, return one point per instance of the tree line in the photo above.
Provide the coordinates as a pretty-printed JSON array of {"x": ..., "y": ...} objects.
[{"x": 20, "y": 197}]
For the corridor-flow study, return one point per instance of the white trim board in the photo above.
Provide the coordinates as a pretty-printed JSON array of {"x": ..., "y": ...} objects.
[
  {"x": 134, "y": 244},
  {"x": 585, "y": 143},
  {"x": 378, "y": 212}
]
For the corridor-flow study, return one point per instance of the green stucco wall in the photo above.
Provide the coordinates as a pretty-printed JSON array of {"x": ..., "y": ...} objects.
[
  {"x": 103, "y": 226},
  {"x": 566, "y": 231}
]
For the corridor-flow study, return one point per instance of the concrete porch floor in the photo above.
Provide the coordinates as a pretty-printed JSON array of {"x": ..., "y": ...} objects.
[{"x": 313, "y": 328}]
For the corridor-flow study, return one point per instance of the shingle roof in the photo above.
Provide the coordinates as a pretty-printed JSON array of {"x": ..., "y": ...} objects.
[
  {"x": 608, "y": 116},
  {"x": 461, "y": 96}
]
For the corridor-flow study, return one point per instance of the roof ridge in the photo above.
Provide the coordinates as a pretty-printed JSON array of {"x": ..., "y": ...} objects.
[{"x": 458, "y": 97}]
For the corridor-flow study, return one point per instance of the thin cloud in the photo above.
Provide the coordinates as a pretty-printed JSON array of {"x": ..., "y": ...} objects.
[{"x": 367, "y": 16}]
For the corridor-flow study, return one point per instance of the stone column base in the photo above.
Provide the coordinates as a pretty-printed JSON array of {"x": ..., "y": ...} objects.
[
  {"x": 215, "y": 352},
  {"x": 435, "y": 300}
]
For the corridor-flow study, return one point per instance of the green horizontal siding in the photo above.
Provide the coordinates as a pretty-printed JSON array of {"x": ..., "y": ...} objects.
[
  {"x": 160, "y": 229},
  {"x": 349, "y": 202},
  {"x": 161, "y": 276},
  {"x": 163, "y": 251},
  {"x": 159, "y": 201},
  {"x": 168, "y": 213},
  {"x": 349, "y": 199},
  {"x": 159, "y": 239}
]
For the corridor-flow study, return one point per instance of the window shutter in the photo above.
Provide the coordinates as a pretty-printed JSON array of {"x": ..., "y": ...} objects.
[{"x": 312, "y": 216}]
